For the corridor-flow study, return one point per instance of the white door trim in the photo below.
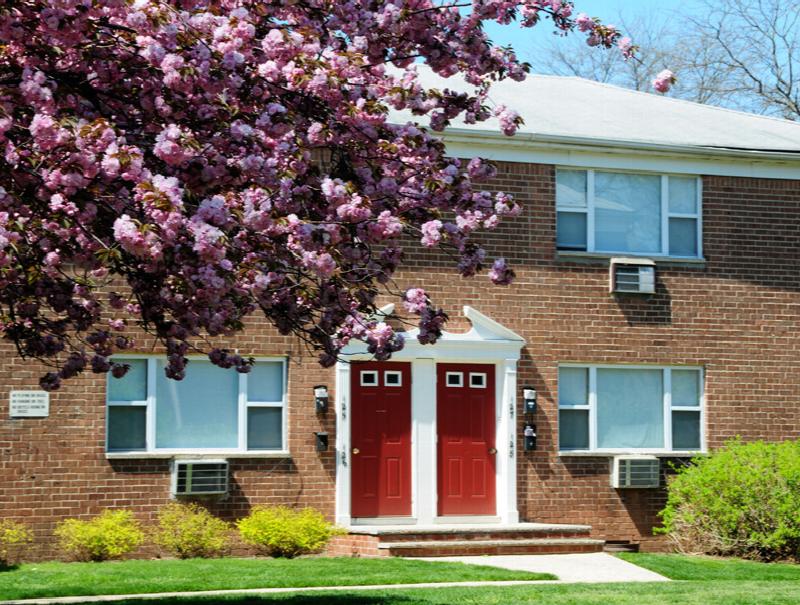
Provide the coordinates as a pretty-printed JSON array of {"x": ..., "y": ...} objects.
[{"x": 486, "y": 342}]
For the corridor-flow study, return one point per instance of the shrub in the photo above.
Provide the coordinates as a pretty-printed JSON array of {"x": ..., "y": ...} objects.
[
  {"x": 13, "y": 537},
  {"x": 189, "y": 530},
  {"x": 743, "y": 500},
  {"x": 110, "y": 535},
  {"x": 284, "y": 532}
]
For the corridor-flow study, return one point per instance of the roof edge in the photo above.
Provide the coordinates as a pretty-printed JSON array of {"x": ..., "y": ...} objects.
[{"x": 525, "y": 139}]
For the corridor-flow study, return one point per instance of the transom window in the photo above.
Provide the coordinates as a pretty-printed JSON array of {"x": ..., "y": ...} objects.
[
  {"x": 649, "y": 409},
  {"x": 211, "y": 409},
  {"x": 629, "y": 213}
]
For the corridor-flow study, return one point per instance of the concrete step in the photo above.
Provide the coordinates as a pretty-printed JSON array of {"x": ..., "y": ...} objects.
[
  {"x": 418, "y": 533},
  {"x": 444, "y": 548},
  {"x": 482, "y": 536},
  {"x": 620, "y": 546}
]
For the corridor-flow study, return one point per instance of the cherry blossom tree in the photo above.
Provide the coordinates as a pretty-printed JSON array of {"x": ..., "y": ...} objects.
[{"x": 176, "y": 166}]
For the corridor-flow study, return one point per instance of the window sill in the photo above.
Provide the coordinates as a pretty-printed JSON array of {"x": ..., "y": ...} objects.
[
  {"x": 604, "y": 257},
  {"x": 611, "y": 454},
  {"x": 193, "y": 455}
]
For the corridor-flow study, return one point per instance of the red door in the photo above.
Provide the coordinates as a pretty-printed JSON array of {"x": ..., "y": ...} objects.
[
  {"x": 465, "y": 419},
  {"x": 380, "y": 426}
]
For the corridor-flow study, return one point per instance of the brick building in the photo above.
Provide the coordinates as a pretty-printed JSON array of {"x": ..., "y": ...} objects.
[{"x": 699, "y": 206}]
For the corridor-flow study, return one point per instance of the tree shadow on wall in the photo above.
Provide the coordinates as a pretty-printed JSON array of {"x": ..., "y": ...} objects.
[
  {"x": 307, "y": 599},
  {"x": 279, "y": 475}
]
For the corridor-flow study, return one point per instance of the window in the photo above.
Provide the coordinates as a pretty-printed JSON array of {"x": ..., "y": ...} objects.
[
  {"x": 454, "y": 379},
  {"x": 628, "y": 213},
  {"x": 393, "y": 378},
  {"x": 369, "y": 378},
  {"x": 477, "y": 380},
  {"x": 211, "y": 409},
  {"x": 609, "y": 408}
]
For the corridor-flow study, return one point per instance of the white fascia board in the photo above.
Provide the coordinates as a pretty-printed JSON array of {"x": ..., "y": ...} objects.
[
  {"x": 596, "y": 153},
  {"x": 485, "y": 340},
  {"x": 452, "y": 348},
  {"x": 383, "y": 312}
]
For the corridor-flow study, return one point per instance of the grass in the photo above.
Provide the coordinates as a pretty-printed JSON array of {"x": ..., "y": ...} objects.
[
  {"x": 684, "y": 567},
  {"x": 679, "y": 593},
  {"x": 705, "y": 580},
  {"x": 136, "y": 577}
]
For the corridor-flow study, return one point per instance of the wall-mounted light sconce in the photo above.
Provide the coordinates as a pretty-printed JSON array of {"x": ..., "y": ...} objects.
[
  {"x": 529, "y": 434},
  {"x": 529, "y": 398},
  {"x": 322, "y": 442},
  {"x": 321, "y": 398}
]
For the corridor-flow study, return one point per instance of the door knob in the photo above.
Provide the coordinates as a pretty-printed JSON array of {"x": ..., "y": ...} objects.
[
  {"x": 356, "y": 450},
  {"x": 492, "y": 451}
]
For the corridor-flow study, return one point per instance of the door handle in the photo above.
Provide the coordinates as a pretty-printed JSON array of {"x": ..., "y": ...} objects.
[
  {"x": 492, "y": 451},
  {"x": 356, "y": 451}
]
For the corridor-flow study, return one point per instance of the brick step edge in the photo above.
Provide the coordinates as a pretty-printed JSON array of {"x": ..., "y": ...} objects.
[
  {"x": 491, "y": 547},
  {"x": 488, "y": 535}
]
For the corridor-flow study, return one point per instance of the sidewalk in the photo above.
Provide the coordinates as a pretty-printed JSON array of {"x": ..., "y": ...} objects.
[{"x": 591, "y": 567}]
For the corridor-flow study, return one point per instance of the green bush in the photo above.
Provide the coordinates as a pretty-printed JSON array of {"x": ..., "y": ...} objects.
[
  {"x": 110, "y": 535},
  {"x": 284, "y": 532},
  {"x": 188, "y": 531},
  {"x": 743, "y": 500},
  {"x": 13, "y": 537}
]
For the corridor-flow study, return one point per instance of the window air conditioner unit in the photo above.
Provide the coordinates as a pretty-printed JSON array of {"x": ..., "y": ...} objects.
[
  {"x": 632, "y": 276},
  {"x": 635, "y": 472},
  {"x": 199, "y": 477}
]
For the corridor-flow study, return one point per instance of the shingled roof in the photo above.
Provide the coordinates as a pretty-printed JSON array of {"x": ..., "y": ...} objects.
[{"x": 570, "y": 109}]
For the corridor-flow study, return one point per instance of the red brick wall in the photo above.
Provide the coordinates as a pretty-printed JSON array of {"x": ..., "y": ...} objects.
[{"x": 737, "y": 316}]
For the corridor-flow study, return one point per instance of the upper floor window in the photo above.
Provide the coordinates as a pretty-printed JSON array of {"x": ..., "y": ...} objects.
[
  {"x": 623, "y": 408},
  {"x": 211, "y": 409},
  {"x": 628, "y": 213}
]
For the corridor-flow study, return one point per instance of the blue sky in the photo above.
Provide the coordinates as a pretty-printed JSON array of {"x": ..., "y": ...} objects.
[{"x": 524, "y": 40}]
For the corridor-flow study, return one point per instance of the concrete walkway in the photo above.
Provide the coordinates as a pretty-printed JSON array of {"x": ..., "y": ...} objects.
[
  {"x": 590, "y": 567},
  {"x": 570, "y": 569}
]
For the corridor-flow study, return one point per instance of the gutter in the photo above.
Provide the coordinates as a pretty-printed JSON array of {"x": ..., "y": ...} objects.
[{"x": 532, "y": 140}]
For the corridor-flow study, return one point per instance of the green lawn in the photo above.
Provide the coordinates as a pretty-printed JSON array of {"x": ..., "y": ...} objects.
[
  {"x": 705, "y": 580},
  {"x": 661, "y": 593},
  {"x": 136, "y": 577},
  {"x": 682, "y": 567}
]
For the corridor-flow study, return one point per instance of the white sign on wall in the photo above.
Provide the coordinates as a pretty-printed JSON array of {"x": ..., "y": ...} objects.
[{"x": 29, "y": 404}]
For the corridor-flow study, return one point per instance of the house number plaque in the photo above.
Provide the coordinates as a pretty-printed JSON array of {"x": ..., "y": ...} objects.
[{"x": 29, "y": 404}]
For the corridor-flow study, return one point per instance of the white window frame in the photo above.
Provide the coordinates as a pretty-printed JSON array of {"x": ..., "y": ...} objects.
[
  {"x": 459, "y": 375},
  {"x": 374, "y": 373},
  {"x": 394, "y": 373},
  {"x": 589, "y": 211},
  {"x": 243, "y": 406},
  {"x": 484, "y": 380},
  {"x": 668, "y": 408}
]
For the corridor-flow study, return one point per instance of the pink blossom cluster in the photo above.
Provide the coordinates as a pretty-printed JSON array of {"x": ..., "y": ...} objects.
[
  {"x": 509, "y": 119},
  {"x": 175, "y": 166},
  {"x": 664, "y": 81}
]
